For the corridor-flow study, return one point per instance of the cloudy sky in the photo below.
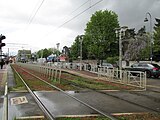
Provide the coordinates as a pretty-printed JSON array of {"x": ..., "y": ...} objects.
[{"x": 39, "y": 24}]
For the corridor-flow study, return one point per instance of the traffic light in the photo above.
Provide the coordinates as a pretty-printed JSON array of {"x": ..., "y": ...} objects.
[{"x": 1, "y": 38}]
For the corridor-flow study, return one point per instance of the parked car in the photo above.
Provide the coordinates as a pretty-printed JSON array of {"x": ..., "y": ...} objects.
[
  {"x": 107, "y": 65},
  {"x": 151, "y": 69}
]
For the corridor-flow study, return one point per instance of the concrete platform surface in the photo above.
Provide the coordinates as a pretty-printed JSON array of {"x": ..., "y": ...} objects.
[
  {"x": 24, "y": 109},
  {"x": 60, "y": 104}
]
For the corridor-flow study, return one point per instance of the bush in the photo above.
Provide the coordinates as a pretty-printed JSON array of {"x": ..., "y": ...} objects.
[{"x": 112, "y": 60}]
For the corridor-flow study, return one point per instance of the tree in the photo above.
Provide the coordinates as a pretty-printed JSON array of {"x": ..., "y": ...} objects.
[
  {"x": 156, "y": 36},
  {"x": 44, "y": 53},
  {"x": 136, "y": 45},
  {"x": 75, "y": 51},
  {"x": 100, "y": 36}
]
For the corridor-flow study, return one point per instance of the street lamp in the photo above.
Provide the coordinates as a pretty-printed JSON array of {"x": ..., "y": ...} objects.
[
  {"x": 146, "y": 20},
  {"x": 81, "y": 40},
  {"x": 119, "y": 33},
  {"x": 57, "y": 50}
]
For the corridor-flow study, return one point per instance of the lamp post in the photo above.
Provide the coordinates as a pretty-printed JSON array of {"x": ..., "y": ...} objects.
[
  {"x": 81, "y": 40},
  {"x": 119, "y": 33},
  {"x": 146, "y": 20},
  {"x": 57, "y": 51}
]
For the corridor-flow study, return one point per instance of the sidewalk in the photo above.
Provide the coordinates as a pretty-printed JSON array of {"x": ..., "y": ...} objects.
[
  {"x": 3, "y": 78},
  {"x": 26, "y": 105}
]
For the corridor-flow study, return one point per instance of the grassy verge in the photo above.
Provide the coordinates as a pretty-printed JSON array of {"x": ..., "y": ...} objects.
[
  {"x": 18, "y": 83},
  {"x": 92, "y": 84}
]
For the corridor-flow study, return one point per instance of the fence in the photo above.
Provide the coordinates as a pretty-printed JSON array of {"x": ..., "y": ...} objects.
[
  {"x": 132, "y": 78},
  {"x": 53, "y": 71}
]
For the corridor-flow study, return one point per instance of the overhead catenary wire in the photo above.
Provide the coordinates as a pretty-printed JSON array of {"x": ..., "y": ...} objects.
[
  {"x": 79, "y": 7},
  {"x": 31, "y": 18},
  {"x": 16, "y": 43},
  {"x": 31, "y": 15},
  {"x": 74, "y": 17}
]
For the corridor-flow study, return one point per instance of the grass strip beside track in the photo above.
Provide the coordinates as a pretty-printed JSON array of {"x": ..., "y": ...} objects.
[
  {"x": 19, "y": 86},
  {"x": 33, "y": 82}
]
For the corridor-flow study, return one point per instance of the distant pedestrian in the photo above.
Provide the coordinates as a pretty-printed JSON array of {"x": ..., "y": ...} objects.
[{"x": 2, "y": 63}]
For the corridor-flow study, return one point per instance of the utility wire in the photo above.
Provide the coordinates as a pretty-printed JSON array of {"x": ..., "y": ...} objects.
[
  {"x": 79, "y": 7},
  {"x": 31, "y": 15},
  {"x": 31, "y": 18},
  {"x": 79, "y": 14},
  {"x": 75, "y": 16},
  {"x": 16, "y": 44}
]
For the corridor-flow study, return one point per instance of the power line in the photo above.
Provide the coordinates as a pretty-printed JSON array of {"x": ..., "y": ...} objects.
[
  {"x": 31, "y": 18},
  {"x": 79, "y": 14},
  {"x": 80, "y": 6},
  {"x": 31, "y": 15},
  {"x": 75, "y": 16},
  {"x": 16, "y": 43}
]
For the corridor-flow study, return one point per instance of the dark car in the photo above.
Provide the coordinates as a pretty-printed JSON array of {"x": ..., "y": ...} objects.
[
  {"x": 151, "y": 69},
  {"x": 106, "y": 65}
]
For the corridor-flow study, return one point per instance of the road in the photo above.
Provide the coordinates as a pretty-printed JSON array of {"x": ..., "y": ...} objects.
[{"x": 153, "y": 84}]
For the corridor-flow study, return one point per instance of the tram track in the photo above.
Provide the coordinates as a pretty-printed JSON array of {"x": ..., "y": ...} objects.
[
  {"x": 138, "y": 93},
  {"x": 47, "y": 112},
  {"x": 130, "y": 92},
  {"x": 41, "y": 105},
  {"x": 108, "y": 94}
]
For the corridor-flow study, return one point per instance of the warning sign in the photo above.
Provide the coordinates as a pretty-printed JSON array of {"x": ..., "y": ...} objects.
[{"x": 18, "y": 100}]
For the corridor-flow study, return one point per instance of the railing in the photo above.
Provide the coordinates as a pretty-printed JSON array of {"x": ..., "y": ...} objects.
[
  {"x": 53, "y": 71},
  {"x": 133, "y": 78}
]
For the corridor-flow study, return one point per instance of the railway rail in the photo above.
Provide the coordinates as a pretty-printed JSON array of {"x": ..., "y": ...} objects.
[
  {"x": 146, "y": 94},
  {"x": 42, "y": 106},
  {"x": 99, "y": 92}
]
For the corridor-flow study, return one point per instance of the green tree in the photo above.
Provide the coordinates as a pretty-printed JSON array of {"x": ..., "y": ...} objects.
[
  {"x": 156, "y": 36},
  {"x": 100, "y": 36},
  {"x": 75, "y": 49},
  {"x": 40, "y": 53},
  {"x": 44, "y": 53}
]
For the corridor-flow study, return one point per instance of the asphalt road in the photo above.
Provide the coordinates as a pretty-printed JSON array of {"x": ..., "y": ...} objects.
[{"x": 153, "y": 84}]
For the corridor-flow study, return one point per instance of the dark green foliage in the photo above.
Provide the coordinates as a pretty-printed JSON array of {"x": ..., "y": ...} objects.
[
  {"x": 100, "y": 32},
  {"x": 44, "y": 53},
  {"x": 156, "y": 37},
  {"x": 99, "y": 40}
]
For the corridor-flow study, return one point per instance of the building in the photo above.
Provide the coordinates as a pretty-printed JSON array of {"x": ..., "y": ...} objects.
[{"x": 24, "y": 55}]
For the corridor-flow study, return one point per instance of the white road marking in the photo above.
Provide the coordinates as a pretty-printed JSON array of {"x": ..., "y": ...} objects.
[{"x": 18, "y": 100}]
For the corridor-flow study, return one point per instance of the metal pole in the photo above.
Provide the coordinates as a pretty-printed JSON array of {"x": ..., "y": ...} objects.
[
  {"x": 150, "y": 36},
  {"x": 151, "y": 52},
  {"x": 120, "y": 53},
  {"x": 81, "y": 39},
  {"x": 1, "y": 54}
]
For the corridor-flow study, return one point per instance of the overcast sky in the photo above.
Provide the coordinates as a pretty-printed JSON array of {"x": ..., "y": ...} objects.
[{"x": 39, "y": 24}]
